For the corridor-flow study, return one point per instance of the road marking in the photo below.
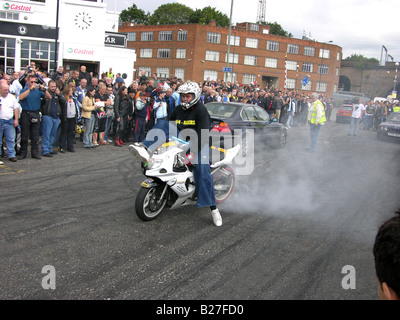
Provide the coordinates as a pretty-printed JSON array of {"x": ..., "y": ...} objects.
[{"x": 13, "y": 171}]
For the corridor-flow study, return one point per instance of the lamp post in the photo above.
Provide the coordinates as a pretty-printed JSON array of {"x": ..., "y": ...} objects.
[
  {"x": 395, "y": 82},
  {"x": 320, "y": 67}
]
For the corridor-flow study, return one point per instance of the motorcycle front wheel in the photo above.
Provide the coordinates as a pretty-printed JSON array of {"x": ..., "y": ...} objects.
[
  {"x": 224, "y": 181},
  {"x": 148, "y": 204}
]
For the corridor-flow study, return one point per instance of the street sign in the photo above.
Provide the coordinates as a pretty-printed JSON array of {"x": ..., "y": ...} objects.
[
  {"x": 305, "y": 81},
  {"x": 227, "y": 69}
]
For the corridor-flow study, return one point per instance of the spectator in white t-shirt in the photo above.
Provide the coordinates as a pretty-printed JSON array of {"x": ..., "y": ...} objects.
[{"x": 358, "y": 112}]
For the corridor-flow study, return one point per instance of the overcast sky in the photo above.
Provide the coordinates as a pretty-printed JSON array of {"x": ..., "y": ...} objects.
[{"x": 358, "y": 26}]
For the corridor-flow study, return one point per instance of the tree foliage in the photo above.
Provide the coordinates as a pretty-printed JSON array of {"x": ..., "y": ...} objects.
[
  {"x": 361, "y": 60},
  {"x": 205, "y": 15},
  {"x": 135, "y": 15},
  {"x": 277, "y": 29},
  {"x": 171, "y": 13}
]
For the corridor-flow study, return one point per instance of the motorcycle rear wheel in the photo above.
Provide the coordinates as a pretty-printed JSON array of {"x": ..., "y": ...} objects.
[
  {"x": 224, "y": 181},
  {"x": 147, "y": 205}
]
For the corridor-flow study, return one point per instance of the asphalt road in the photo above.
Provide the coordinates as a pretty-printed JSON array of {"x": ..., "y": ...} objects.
[{"x": 288, "y": 230}]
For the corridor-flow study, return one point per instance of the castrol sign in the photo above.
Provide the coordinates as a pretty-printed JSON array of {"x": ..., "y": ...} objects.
[{"x": 17, "y": 7}]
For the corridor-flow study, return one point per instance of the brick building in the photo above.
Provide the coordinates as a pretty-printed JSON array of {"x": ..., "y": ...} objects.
[{"x": 197, "y": 52}]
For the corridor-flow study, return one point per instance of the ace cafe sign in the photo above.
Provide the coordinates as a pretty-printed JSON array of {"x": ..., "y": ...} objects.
[{"x": 17, "y": 7}]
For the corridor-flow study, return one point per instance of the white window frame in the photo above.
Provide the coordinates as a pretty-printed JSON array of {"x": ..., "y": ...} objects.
[
  {"x": 322, "y": 86},
  {"x": 180, "y": 53},
  {"x": 291, "y": 65},
  {"x": 233, "y": 58},
  {"x": 165, "y": 36},
  {"x": 293, "y": 48},
  {"x": 213, "y": 37},
  {"x": 290, "y": 83},
  {"x": 251, "y": 43},
  {"x": 235, "y": 40},
  {"x": 248, "y": 78},
  {"x": 250, "y": 60},
  {"x": 164, "y": 53},
  {"x": 212, "y": 55},
  {"x": 271, "y": 63},
  {"x": 131, "y": 36},
  {"x": 307, "y": 87},
  {"x": 324, "y": 53},
  {"x": 180, "y": 73},
  {"x": 182, "y": 35},
  {"x": 307, "y": 67},
  {"x": 272, "y": 45},
  {"x": 146, "y": 53},
  {"x": 147, "y": 70},
  {"x": 147, "y": 36},
  {"x": 212, "y": 74},
  {"x": 323, "y": 69},
  {"x": 309, "y": 51},
  {"x": 162, "y": 72}
]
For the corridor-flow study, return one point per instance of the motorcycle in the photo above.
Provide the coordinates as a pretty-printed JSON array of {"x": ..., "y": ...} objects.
[{"x": 170, "y": 182}]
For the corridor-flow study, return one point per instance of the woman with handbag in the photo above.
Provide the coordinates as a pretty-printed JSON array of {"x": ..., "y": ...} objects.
[{"x": 88, "y": 110}]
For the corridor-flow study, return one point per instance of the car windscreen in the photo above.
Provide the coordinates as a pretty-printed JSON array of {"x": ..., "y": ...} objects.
[
  {"x": 346, "y": 108},
  {"x": 221, "y": 109}
]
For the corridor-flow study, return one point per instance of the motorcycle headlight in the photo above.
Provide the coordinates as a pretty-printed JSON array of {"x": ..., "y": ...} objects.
[{"x": 154, "y": 163}]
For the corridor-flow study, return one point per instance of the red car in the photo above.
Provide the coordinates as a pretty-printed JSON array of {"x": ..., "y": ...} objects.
[{"x": 344, "y": 113}]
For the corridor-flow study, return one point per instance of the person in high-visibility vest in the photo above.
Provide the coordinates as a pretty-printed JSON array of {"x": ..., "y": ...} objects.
[
  {"x": 110, "y": 74},
  {"x": 316, "y": 118},
  {"x": 396, "y": 108}
]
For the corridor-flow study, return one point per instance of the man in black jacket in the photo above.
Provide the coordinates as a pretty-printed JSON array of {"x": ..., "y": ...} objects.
[
  {"x": 51, "y": 113},
  {"x": 191, "y": 115}
]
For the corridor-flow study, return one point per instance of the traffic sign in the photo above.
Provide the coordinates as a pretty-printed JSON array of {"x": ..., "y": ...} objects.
[
  {"x": 227, "y": 69},
  {"x": 305, "y": 81}
]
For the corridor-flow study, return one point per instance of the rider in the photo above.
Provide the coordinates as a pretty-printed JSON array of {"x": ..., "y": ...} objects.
[{"x": 191, "y": 116}]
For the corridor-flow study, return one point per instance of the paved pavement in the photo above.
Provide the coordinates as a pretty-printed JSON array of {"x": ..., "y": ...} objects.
[{"x": 289, "y": 228}]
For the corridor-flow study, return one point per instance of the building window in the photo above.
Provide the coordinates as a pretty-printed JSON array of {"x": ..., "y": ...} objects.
[
  {"x": 147, "y": 71},
  {"x": 254, "y": 27},
  {"x": 271, "y": 63},
  {"x": 7, "y": 55},
  {"x": 164, "y": 53},
  {"x": 248, "y": 78},
  {"x": 290, "y": 83},
  {"x": 250, "y": 60},
  {"x": 162, "y": 72},
  {"x": 212, "y": 55},
  {"x": 147, "y": 36},
  {"x": 337, "y": 72},
  {"x": 182, "y": 35},
  {"x": 272, "y": 45},
  {"x": 235, "y": 40},
  {"x": 293, "y": 48},
  {"x": 321, "y": 86},
  {"x": 324, "y": 53},
  {"x": 212, "y": 74},
  {"x": 146, "y": 53},
  {"x": 181, "y": 53},
  {"x": 131, "y": 36},
  {"x": 165, "y": 36},
  {"x": 338, "y": 56},
  {"x": 213, "y": 37},
  {"x": 233, "y": 58},
  {"x": 291, "y": 65},
  {"x": 307, "y": 67},
  {"x": 36, "y": 50},
  {"x": 309, "y": 51},
  {"x": 323, "y": 69},
  {"x": 230, "y": 76},
  {"x": 251, "y": 43},
  {"x": 180, "y": 73},
  {"x": 9, "y": 15}
]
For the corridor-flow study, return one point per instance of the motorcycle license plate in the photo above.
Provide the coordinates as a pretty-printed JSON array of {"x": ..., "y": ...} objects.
[{"x": 146, "y": 183}]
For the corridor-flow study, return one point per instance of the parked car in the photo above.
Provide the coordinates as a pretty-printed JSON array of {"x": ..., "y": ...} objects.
[
  {"x": 390, "y": 129},
  {"x": 343, "y": 114},
  {"x": 230, "y": 117}
]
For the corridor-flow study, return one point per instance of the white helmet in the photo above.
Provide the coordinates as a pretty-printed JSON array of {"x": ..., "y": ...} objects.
[{"x": 190, "y": 87}]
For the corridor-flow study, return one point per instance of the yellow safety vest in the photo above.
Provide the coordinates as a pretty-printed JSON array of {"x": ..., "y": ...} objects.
[
  {"x": 396, "y": 109},
  {"x": 314, "y": 113}
]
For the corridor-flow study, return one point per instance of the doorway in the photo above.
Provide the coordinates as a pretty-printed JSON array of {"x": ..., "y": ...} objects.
[{"x": 268, "y": 81}]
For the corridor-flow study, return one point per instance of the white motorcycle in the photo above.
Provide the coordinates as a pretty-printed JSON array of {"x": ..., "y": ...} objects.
[{"x": 170, "y": 181}]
